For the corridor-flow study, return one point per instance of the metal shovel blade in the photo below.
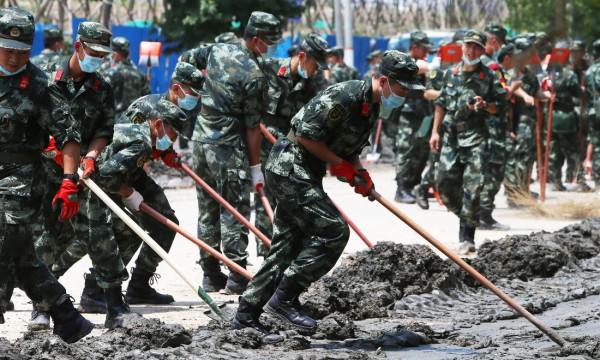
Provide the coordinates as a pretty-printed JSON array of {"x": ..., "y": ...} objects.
[{"x": 225, "y": 315}]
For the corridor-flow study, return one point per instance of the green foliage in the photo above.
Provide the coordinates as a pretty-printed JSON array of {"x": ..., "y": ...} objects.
[
  {"x": 580, "y": 17},
  {"x": 190, "y": 22}
]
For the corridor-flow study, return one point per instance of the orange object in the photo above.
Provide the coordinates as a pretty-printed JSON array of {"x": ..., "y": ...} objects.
[
  {"x": 265, "y": 201},
  {"x": 451, "y": 54},
  {"x": 149, "y": 53},
  {"x": 559, "y": 56}
]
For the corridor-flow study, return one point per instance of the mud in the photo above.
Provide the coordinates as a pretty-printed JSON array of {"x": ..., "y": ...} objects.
[{"x": 396, "y": 302}]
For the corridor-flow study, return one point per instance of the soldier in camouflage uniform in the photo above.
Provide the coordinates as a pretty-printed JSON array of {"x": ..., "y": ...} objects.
[
  {"x": 338, "y": 70},
  {"x": 496, "y": 37},
  {"x": 470, "y": 92},
  {"x": 31, "y": 109},
  {"x": 91, "y": 101},
  {"x": 309, "y": 232},
  {"x": 129, "y": 83},
  {"x": 227, "y": 140},
  {"x": 592, "y": 111},
  {"x": 412, "y": 150},
  {"x": 373, "y": 59},
  {"x": 578, "y": 62},
  {"x": 54, "y": 44},
  {"x": 291, "y": 86}
]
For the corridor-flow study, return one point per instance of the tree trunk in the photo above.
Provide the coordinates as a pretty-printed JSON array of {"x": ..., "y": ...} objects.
[{"x": 560, "y": 11}]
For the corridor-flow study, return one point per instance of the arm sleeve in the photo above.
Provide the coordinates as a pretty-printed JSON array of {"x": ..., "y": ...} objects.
[
  {"x": 55, "y": 117},
  {"x": 256, "y": 90},
  {"x": 325, "y": 110},
  {"x": 116, "y": 169},
  {"x": 108, "y": 114}
]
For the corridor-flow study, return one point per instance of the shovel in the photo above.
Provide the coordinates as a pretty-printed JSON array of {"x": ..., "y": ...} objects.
[
  {"x": 265, "y": 201},
  {"x": 551, "y": 333},
  {"x": 547, "y": 153},
  {"x": 214, "y": 308},
  {"x": 373, "y": 156}
]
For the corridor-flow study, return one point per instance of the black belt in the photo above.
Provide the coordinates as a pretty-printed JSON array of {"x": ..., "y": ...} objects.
[
  {"x": 209, "y": 111},
  {"x": 466, "y": 126},
  {"x": 279, "y": 122},
  {"x": 20, "y": 158}
]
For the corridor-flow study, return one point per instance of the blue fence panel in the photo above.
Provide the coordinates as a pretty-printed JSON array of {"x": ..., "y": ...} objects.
[{"x": 362, "y": 48}]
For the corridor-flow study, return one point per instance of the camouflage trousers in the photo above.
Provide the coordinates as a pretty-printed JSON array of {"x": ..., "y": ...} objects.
[
  {"x": 19, "y": 263},
  {"x": 594, "y": 136},
  {"x": 127, "y": 240},
  {"x": 460, "y": 178},
  {"x": 494, "y": 167},
  {"x": 412, "y": 152},
  {"x": 225, "y": 169},
  {"x": 309, "y": 236},
  {"x": 521, "y": 154},
  {"x": 564, "y": 146},
  {"x": 91, "y": 225},
  {"x": 429, "y": 177}
]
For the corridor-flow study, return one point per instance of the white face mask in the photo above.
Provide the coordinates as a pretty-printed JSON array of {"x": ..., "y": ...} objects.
[{"x": 469, "y": 62}]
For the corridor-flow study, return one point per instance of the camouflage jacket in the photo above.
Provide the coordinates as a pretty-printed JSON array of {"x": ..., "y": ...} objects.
[
  {"x": 458, "y": 87},
  {"x": 236, "y": 90},
  {"x": 591, "y": 83},
  {"x": 568, "y": 91},
  {"x": 341, "y": 73},
  {"x": 415, "y": 103},
  {"x": 46, "y": 57},
  {"x": 31, "y": 108},
  {"x": 92, "y": 103},
  {"x": 129, "y": 83},
  {"x": 287, "y": 95},
  {"x": 435, "y": 80},
  {"x": 531, "y": 86},
  {"x": 487, "y": 60},
  {"x": 342, "y": 116},
  {"x": 122, "y": 161},
  {"x": 198, "y": 56}
]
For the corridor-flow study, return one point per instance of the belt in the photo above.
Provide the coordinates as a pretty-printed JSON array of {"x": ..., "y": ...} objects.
[
  {"x": 20, "y": 158},
  {"x": 210, "y": 111},
  {"x": 466, "y": 126},
  {"x": 276, "y": 121}
]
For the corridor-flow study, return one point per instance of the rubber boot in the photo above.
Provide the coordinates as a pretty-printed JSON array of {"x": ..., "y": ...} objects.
[
  {"x": 69, "y": 325},
  {"x": 39, "y": 321},
  {"x": 284, "y": 305},
  {"x": 92, "y": 296},
  {"x": 11, "y": 306},
  {"x": 116, "y": 308},
  {"x": 558, "y": 186},
  {"x": 140, "y": 292},
  {"x": 583, "y": 187},
  {"x": 247, "y": 317},
  {"x": 214, "y": 279},
  {"x": 469, "y": 238},
  {"x": 404, "y": 195},
  {"x": 487, "y": 222},
  {"x": 421, "y": 197},
  {"x": 236, "y": 283}
]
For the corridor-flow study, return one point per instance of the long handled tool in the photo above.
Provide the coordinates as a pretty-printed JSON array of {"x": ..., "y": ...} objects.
[
  {"x": 547, "y": 153},
  {"x": 538, "y": 138},
  {"x": 170, "y": 224},
  {"x": 226, "y": 205},
  {"x": 360, "y": 234},
  {"x": 265, "y": 202},
  {"x": 148, "y": 240},
  {"x": 552, "y": 334},
  {"x": 373, "y": 156}
]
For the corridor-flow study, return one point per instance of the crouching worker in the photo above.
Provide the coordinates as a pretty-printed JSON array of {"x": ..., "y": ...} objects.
[{"x": 309, "y": 232}]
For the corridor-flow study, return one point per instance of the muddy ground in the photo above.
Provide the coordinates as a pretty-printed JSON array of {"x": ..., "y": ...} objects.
[{"x": 394, "y": 302}]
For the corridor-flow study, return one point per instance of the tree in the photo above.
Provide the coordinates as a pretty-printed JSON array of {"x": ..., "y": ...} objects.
[{"x": 190, "y": 22}]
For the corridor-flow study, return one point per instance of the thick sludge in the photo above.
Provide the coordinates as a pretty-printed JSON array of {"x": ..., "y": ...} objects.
[{"x": 392, "y": 297}]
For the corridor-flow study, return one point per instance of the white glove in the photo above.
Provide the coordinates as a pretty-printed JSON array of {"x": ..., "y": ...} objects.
[
  {"x": 133, "y": 201},
  {"x": 257, "y": 176}
]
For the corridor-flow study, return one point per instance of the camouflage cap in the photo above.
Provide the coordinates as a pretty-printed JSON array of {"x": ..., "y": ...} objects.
[
  {"x": 120, "y": 44},
  {"x": 496, "y": 30},
  {"x": 402, "y": 68},
  {"x": 226, "y": 38},
  {"x": 506, "y": 49},
  {"x": 16, "y": 29},
  {"x": 522, "y": 44},
  {"x": 267, "y": 25},
  {"x": 53, "y": 34},
  {"x": 337, "y": 51},
  {"x": 170, "y": 113},
  {"x": 374, "y": 54},
  {"x": 596, "y": 47},
  {"x": 577, "y": 45},
  {"x": 316, "y": 47},
  {"x": 420, "y": 38},
  {"x": 475, "y": 36},
  {"x": 189, "y": 75},
  {"x": 458, "y": 36},
  {"x": 292, "y": 51},
  {"x": 95, "y": 36}
]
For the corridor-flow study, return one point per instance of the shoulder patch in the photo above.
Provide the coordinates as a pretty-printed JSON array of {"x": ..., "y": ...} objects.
[
  {"x": 432, "y": 74},
  {"x": 336, "y": 112},
  {"x": 137, "y": 119},
  {"x": 142, "y": 160}
]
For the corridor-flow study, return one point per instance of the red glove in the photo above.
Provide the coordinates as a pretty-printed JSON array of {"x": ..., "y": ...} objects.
[
  {"x": 156, "y": 154},
  {"x": 88, "y": 165},
  {"x": 172, "y": 159},
  {"x": 68, "y": 195},
  {"x": 344, "y": 172},
  {"x": 364, "y": 183},
  {"x": 51, "y": 152}
]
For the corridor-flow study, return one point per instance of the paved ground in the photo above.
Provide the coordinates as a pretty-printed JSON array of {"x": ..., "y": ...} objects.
[{"x": 372, "y": 218}]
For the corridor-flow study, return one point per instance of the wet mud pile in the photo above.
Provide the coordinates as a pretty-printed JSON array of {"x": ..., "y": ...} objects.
[{"x": 169, "y": 178}]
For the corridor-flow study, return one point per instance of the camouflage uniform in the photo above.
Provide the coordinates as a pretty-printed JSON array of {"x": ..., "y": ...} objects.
[
  {"x": 435, "y": 82},
  {"x": 341, "y": 73},
  {"x": 592, "y": 112},
  {"x": 48, "y": 56},
  {"x": 31, "y": 107}
]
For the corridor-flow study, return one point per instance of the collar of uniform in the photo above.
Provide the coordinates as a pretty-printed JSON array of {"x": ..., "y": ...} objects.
[
  {"x": 247, "y": 51},
  {"x": 166, "y": 96},
  {"x": 62, "y": 74},
  {"x": 367, "y": 97},
  {"x": 17, "y": 80},
  {"x": 285, "y": 68}
]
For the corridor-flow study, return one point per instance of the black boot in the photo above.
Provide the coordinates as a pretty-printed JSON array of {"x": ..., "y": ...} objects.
[
  {"x": 284, "y": 305},
  {"x": 39, "y": 321},
  {"x": 469, "y": 238},
  {"x": 247, "y": 317},
  {"x": 404, "y": 195},
  {"x": 69, "y": 325},
  {"x": 421, "y": 197},
  {"x": 116, "y": 308},
  {"x": 487, "y": 222},
  {"x": 236, "y": 283},
  {"x": 92, "y": 296},
  {"x": 140, "y": 292},
  {"x": 213, "y": 279}
]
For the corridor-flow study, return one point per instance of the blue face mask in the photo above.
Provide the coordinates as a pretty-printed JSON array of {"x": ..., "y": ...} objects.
[
  {"x": 188, "y": 102},
  {"x": 164, "y": 142},
  {"x": 330, "y": 65},
  {"x": 271, "y": 50},
  {"x": 469, "y": 62},
  {"x": 393, "y": 101},
  {"x": 11, "y": 73},
  {"x": 302, "y": 72},
  {"x": 89, "y": 64}
]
